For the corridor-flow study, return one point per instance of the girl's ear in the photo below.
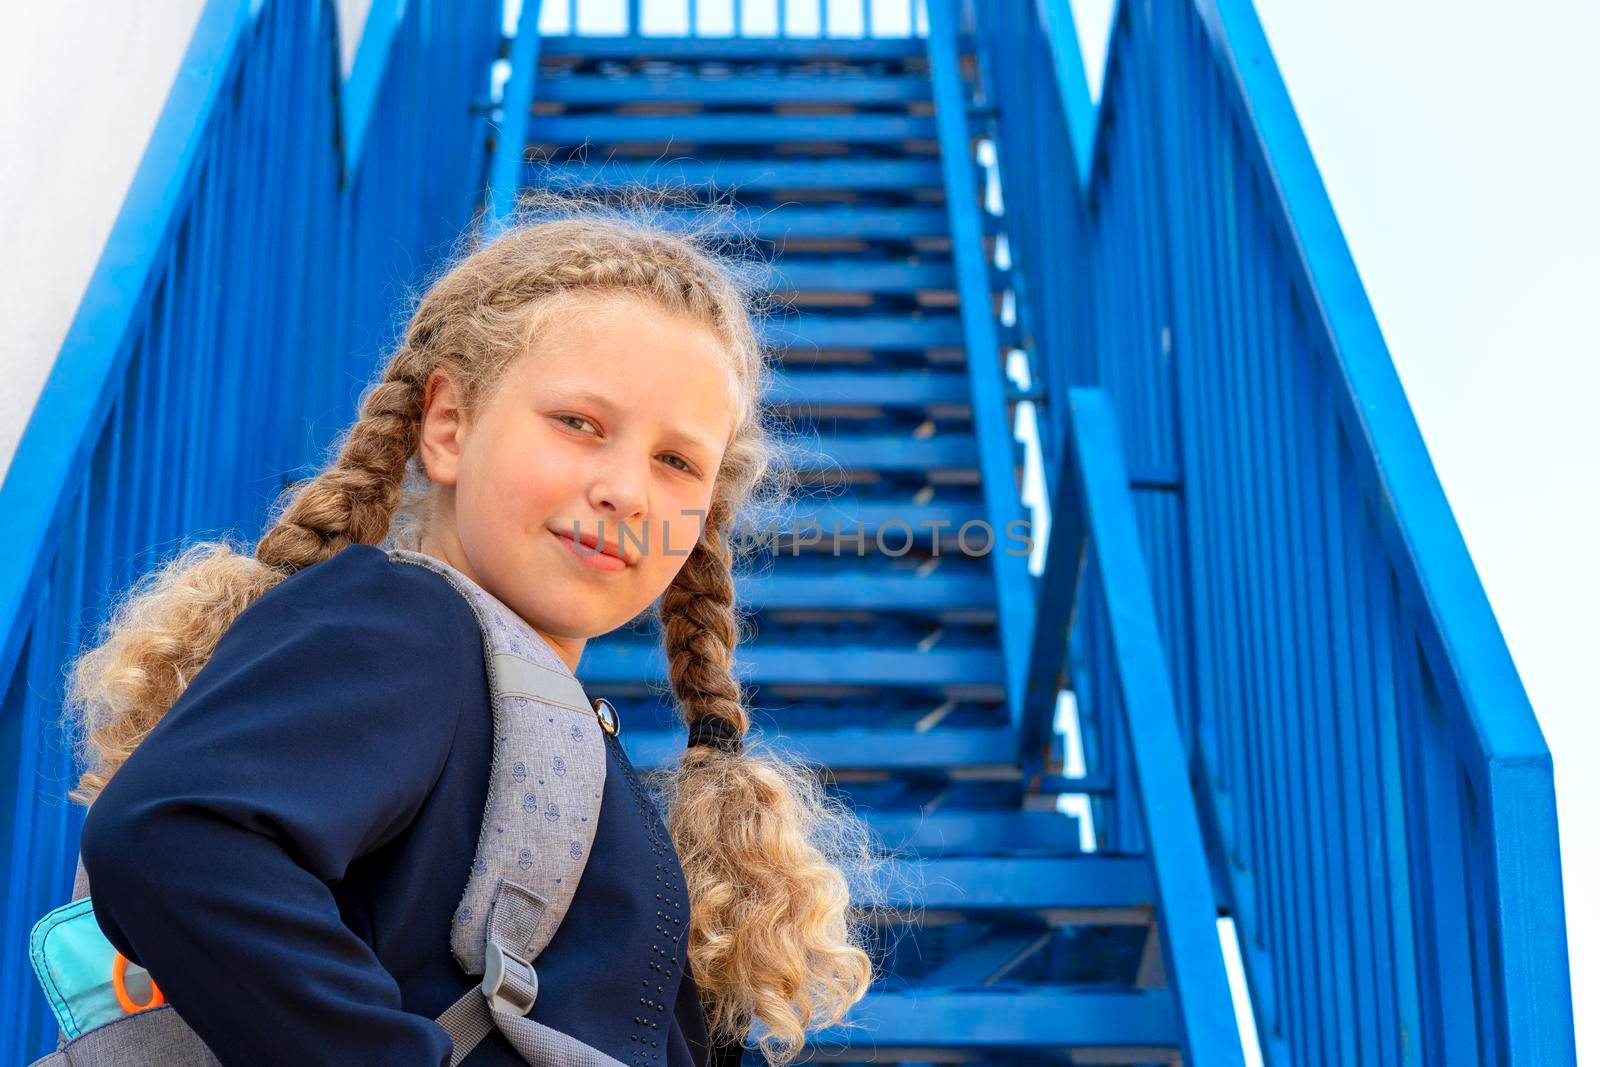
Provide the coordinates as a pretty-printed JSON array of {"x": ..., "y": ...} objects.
[{"x": 441, "y": 437}]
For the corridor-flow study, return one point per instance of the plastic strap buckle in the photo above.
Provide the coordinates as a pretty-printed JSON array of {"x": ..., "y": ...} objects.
[{"x": 509, "y": 981}]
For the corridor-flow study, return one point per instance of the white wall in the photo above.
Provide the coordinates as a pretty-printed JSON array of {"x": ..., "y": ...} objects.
[{"x": 81, "y": 85}]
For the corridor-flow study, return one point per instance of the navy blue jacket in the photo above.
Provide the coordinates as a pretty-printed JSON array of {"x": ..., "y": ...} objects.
[{"x": 286, "y": 848}]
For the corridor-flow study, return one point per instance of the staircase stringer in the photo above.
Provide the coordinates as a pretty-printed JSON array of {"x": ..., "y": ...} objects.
[{"x": 985, "y": 371}]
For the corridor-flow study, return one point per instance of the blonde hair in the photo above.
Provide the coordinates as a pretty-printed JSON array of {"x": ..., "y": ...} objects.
[{"x": 769, "y": 856}]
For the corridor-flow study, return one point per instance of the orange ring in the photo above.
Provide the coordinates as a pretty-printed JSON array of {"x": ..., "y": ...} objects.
[{"x": 119, "y": 985}]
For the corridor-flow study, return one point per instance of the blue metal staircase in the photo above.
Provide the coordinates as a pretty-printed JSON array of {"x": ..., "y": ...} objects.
[{"x": 1248, "y": 645}]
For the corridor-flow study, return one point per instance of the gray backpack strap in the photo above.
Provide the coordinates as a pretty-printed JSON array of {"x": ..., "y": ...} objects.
[
  {"x": 546, "y": 781},
  {"x": 509, "y": 988}
]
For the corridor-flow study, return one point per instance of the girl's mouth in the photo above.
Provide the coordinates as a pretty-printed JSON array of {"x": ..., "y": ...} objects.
[{"x": 592, "y": 557}]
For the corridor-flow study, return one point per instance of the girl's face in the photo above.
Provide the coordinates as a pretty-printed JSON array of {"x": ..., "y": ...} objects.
[{"x": 612, "y": 428}]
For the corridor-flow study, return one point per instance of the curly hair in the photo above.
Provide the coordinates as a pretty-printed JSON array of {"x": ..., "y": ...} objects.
[{"x": 770, "y": 858}]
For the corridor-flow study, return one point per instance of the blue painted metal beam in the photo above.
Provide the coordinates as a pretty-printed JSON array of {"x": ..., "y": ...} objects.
[
  {"x": 855, "y": 275},
  {"x": 762, "y": 129},
  {"x": 889, "y": 389},
  {"x": 737, "y": 49},
  {"x": 890, "y": 452},
  {"x": 1186, "y": 906},
  {"x": 847, "y": 747},
  {"x": 764, "y": 89},
  {"x": 620, "y": 661},
  {"x": 888, "y": 332},
  {"x": 1015, "y": 885},
  {"x": 955, "y": 585},
  {"x": 1023, "y": 1019},
  {"x": 759, "y": 175},
  {"x": 893, "y": 522},
  {"x": 897, "y": 520},
  {"x": 510, "y": 127},
  {"x": 841, "y": 221},
  {"x": 994, "y": 833},
  {"x": 982, "y": 340}
]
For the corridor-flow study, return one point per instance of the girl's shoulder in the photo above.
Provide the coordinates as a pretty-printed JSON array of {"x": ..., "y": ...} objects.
[{"x": 362, "y": 596}]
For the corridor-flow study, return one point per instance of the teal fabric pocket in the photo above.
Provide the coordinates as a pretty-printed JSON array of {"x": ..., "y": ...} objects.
[{"x": 74, "y": 963}]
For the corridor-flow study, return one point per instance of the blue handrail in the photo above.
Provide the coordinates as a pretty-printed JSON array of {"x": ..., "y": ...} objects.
[
  {"x": 235, "y": 312},
  {"x": 1136, "y": 696},
  {"x": 1367, "y": 760}
]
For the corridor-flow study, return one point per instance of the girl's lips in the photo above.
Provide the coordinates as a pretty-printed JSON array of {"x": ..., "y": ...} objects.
[{"x": 593, "y": 557}]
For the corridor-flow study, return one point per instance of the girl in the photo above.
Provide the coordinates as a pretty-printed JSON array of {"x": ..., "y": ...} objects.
[{"x": 288, "y": 751}]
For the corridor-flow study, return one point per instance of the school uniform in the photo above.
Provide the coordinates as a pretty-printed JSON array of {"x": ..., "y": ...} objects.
[{"x": 285, "y": 851}]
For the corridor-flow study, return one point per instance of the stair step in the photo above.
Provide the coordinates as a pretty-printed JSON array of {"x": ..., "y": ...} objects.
[
  {"x": 757, "y": 175},
  {"x": 735, "y": 49},
  {"x": 850, "y": 583},
  {"x": 890, "y": 452},
  {"x": 1106, "y": 1026},
  {"x": 793, "y": 388},
  {"x": 887, "y": 332},
  {"x": 1093, "y": 888},
  {"x": 849, "y": 748},
  {"x": 858, "y": 275},
  {"x": 840, "y": 222},
  {"x": 900, "y": 518},
  {"x": 755, "y": 88},
  {"x": 952, "y": 833},
  {"x": 761, "y": 129},
  {"x": 619, "y": 661}
]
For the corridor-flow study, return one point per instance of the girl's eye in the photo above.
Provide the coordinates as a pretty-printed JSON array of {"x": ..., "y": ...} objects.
[
  {"x": 686, "y": 468},
  {"x": 684, "y": 465}
]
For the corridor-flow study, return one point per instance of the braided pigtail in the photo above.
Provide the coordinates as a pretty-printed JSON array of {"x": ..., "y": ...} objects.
[
  {"x": 169, "y": 623},
  {"x": 764, "y": 848}
]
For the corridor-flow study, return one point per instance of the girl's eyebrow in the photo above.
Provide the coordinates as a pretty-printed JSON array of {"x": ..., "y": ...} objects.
[{"x": 586, "y": 396}]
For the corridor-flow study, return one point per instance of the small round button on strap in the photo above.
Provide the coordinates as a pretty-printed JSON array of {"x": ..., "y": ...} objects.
[{"x": 607, "y": 714}]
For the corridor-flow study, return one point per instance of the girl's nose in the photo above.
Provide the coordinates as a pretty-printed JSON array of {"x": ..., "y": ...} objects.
[{"x": 621, "y": 492}]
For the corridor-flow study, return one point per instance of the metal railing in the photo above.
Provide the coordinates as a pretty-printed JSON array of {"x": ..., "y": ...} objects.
[
  {"x": 1375, "y": 785},
  {"x": 247, "y": 286}
]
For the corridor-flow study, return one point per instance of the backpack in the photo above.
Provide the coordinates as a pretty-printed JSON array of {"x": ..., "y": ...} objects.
[{"x": 546, "y": 779}]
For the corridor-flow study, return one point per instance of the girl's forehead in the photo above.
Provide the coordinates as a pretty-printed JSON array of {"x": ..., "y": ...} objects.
[
  {"x": 645, "y": 362},
  {"x": 633, "y": 345}
]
